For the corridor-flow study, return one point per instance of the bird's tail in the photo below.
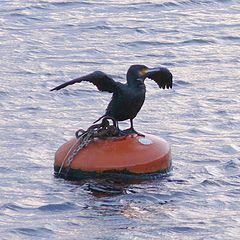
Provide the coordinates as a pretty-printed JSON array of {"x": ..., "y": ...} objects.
[{"x": 100, "y": 118}]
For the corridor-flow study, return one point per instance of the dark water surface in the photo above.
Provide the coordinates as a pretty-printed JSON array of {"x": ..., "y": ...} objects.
[{"x": 44, "y": 43}]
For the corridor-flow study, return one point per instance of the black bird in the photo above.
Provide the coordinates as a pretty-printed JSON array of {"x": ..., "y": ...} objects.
[{"x": 127, "y": 99}]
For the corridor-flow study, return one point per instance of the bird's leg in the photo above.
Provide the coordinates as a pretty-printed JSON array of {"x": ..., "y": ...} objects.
[
  {"x": 120, "y": 132},
  {"x": 132, "y": 130},
  {"x": 118, "y": 129}
]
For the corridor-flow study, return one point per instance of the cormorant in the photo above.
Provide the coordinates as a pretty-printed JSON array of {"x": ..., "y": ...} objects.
[{"x": 127, "y": 99}]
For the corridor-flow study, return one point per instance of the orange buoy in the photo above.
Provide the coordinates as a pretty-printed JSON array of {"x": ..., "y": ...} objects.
[{"x": 133, "y": 154}]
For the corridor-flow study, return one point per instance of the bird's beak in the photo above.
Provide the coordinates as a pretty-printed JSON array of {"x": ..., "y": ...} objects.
[
  {"x": 146, "y": 71},
  {"x": 152, "y": 70}
]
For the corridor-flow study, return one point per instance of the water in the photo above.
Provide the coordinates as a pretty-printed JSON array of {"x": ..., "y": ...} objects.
[{"x": 46, "y": 42}]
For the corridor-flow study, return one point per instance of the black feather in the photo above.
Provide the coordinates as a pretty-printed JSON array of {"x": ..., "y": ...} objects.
[
  {"x": 127, "y": 99},
  {"x": 101, "y": 80},
  {"x": 162, "y": 76}
]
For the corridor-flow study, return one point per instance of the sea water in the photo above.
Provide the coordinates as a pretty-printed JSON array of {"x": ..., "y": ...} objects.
[{"x": 44, "y": 43}]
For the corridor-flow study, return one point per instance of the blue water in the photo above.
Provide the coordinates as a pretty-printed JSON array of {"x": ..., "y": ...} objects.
[{"x": 46, "y": 42}]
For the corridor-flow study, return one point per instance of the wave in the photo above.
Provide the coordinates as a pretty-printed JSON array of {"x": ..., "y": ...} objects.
[
  {"x": 48, "y": 4},
  {"x": 173, "y": 4}
]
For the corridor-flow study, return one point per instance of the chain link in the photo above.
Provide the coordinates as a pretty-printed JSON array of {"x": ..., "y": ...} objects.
[
  {"x": 86, "y": 139},
  {"x": 103, "y": 130}
]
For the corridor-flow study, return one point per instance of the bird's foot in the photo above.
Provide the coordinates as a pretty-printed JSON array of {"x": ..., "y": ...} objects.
[{"x": 131, "y": 131}]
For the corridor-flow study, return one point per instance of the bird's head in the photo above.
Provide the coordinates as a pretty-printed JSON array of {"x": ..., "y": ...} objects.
[
  {"x": 138, "y": 73},
  {"x": 135, "y": 72}
]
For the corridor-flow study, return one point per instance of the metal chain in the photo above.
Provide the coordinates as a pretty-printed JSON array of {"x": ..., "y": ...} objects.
[
  {"x": 103, "y": 130},
  {"x": 86, "y": 139}
]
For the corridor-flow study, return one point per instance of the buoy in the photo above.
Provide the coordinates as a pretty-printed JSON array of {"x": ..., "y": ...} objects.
[{"x": 132, "y": 155}]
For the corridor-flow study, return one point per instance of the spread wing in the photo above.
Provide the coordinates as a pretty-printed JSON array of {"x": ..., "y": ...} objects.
[
  {"x": 162, "y": 76},
  {"x": 98, "y": 78}
]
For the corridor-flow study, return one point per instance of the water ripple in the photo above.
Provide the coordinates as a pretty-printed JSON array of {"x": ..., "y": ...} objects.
[
  {"x": 58, "y": 207},
  {"x": 44, "y": 43},
  {"x": 33, "y": 232}
]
